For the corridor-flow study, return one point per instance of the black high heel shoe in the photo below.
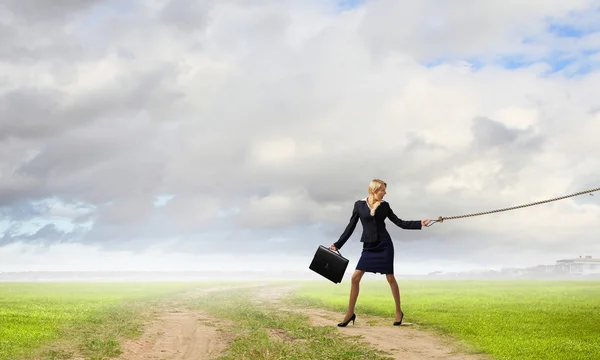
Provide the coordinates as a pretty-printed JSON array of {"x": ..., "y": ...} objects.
[
  {"x": 398, "y": 323},
  {"x": 352, "y": 318}
]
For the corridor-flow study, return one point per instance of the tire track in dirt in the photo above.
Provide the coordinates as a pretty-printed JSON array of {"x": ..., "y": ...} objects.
[{"x": 399, "y": 342}]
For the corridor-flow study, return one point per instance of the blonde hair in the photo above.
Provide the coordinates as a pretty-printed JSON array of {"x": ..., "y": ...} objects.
[{"x": 375, "y": 185}]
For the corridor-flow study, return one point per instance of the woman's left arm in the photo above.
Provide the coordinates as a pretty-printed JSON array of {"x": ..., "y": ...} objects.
[{"x": 405, "y": 224}]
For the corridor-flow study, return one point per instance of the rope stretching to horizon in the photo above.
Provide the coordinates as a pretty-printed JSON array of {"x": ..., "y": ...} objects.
[{"x": 442, "y": 218}]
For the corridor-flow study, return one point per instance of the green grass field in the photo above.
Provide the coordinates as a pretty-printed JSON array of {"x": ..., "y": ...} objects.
[
  {"x": 506, "y": 319},
  {"x": 57, "y": 321},
  {"x": 86, "y": 317}
]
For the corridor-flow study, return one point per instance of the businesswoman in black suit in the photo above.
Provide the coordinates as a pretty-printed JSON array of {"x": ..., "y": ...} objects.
[{"x": 378, "y": 250}]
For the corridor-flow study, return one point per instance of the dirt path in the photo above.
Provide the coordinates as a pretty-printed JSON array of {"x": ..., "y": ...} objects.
[
  {"x": 403, "y": 342},
  {"x": 179, "y": 334},
  {"x": 399, "y": 342}
]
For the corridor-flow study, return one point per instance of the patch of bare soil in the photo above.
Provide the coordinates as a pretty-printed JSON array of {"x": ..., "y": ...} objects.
[
  {"x": 399, "y": 342},
  {"x": 178, "y": 336}
]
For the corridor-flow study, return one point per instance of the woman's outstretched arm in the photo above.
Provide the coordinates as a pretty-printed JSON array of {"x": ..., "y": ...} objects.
[{"x": 406, "y": 224}]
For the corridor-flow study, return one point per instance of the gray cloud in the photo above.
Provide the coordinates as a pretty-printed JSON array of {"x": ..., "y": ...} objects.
[
  {"x": 47, "y": 235},
  {"x": 54, "y": 12},
  {"x": 23, "y": 210},
  {"x": 30, "y": 113},
  {"x": 187, "y": 15},
  {"x": 31, "y": 30},
  {"x": 264, "y": 122}
]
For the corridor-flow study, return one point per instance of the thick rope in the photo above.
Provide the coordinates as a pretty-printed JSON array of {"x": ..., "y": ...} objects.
[{"x": 442, "y": 218}]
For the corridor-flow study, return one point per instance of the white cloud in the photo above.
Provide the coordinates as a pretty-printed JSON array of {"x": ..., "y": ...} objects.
[
  {"x": 267, "y": 121},
  {"x": 430, "y": 29}
]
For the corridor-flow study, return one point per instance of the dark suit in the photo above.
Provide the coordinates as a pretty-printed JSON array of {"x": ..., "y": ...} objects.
[{"x": 374, "y": 229}]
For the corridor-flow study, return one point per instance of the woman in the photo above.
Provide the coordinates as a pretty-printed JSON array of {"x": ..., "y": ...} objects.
[{"x": 378, "y": 250}]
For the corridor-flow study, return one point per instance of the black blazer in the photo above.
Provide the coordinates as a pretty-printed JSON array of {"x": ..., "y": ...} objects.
[{"x": 374, "y": 226}]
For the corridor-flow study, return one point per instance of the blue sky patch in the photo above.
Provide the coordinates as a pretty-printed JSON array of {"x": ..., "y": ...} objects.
[
  {"x": 349, "y": 4},
  {"x": 567, "y": 31},
  {"x": 567, "y": 62}
]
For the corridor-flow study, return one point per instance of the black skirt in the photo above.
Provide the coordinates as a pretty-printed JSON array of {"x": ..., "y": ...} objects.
[{"x": 377, "y": 257}]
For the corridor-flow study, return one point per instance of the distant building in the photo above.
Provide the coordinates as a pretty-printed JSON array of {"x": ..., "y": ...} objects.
[{"x": 582, "y": 265}]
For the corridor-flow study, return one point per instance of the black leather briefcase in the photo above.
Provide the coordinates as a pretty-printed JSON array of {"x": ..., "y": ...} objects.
[{"x": 329, "y": 264}]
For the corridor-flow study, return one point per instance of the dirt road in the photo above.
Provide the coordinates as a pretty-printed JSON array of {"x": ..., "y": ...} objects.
[
  {"x": 399, "y": 342},
  {"x": 181, "y": 335},
  {"x": 402, "y": 342},
  {"x": 178, "y": 336}
]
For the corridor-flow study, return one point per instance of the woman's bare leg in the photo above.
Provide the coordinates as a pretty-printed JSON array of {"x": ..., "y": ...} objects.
[
  {"x": 354, "y": 290},
  {"x": 396, "y": 293}
]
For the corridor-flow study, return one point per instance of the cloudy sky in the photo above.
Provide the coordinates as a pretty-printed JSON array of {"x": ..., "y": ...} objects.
[{"x": 236, "y": 134}]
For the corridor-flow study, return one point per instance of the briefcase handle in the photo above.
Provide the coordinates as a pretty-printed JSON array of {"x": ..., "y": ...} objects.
[{"x": 337, "y": 251}]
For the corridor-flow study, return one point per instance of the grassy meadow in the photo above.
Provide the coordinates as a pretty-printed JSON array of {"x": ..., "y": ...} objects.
[
  {"x": 59, "y": 321},
  {"x": 505, "y": 319},
  {"x": 54, "y": 320}
]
